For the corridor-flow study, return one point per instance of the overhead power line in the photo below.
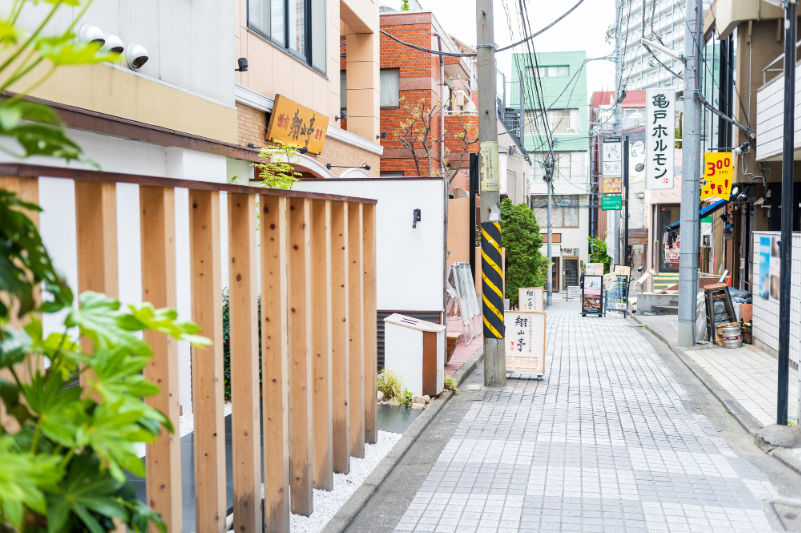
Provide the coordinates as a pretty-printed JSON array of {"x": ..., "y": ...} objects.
[{"x": 453, "y": 54}]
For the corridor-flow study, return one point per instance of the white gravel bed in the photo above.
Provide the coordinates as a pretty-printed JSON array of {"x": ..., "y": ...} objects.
[
  {"x": 186, "y": 426},
  {"x": 326, "y": 504}
]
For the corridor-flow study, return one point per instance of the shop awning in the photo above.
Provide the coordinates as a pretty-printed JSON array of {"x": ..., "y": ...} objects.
[{"x": 708, "y": 210}]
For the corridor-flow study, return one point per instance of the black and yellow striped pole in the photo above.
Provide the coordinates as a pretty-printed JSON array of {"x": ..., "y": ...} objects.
[
  {"x": 492, "y": 280},
  {"x": 490, "y": 186}
]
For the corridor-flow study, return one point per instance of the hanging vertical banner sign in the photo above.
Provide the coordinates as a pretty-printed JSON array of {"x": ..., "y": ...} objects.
[
  {"x": 660, "y": 135},
  {"x": 489, "y": 175},
  {"x": 718, "y": 175}
]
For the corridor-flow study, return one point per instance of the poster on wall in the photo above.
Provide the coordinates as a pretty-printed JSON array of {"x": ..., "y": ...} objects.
[
  {"x": 591, "y": 295},
  {"x": 531, "y": 299},
  {"x": 660, "y": 113},
  {"x": 718, "y": 176},
  {"x": 525, "y": 341},
  {"x": 672, "y": 251},
  {"x": 763, "y": 287},
  {"x": 775, "y": 268}
]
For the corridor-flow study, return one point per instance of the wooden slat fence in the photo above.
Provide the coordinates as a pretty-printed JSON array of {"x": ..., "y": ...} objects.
[{"x": 318, "y": 334}]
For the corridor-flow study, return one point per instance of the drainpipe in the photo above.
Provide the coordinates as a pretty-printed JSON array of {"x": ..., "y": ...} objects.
[
  {"x": 447, "y": 186},
  {"x": 442, "y": 109}
]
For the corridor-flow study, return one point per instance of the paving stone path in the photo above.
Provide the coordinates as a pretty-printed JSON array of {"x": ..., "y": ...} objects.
[{"x": 602, "y": 444}]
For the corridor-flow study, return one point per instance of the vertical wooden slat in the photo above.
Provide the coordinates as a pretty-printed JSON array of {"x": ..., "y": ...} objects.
[
  {"x": 27, "y": 190},
  {"x": 207, "y": 362},
  {"x": 300, "y": 367},
  {"x": 322, "y": 467},
  {"x": 163, "y": 459},
  {"x": 340, "y": 353},
  {"x": 96, "y": 217},
  {"x": 243, "y": 332},
  {"x": 370, "y": 326},
  {"x": 356, "y": 328},
  {"x": 96, "y": 223},
  {"x": 275, "y": 380}
]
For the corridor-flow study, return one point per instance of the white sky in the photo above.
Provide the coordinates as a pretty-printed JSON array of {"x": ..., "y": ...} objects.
[{"x": 582, "y": 30}]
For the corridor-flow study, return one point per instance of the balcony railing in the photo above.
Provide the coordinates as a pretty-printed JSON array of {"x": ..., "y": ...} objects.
[{"x": 318, "y": 333}]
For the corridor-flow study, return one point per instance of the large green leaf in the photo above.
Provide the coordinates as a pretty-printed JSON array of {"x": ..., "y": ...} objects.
[
  {"x": 59, "y": 410},
  {"x": 166, "y": 321},
  {"x": 24, "y": 261},
  {"x": 86, "y": 489},
  {"x": 100, "y": 320},
  {"x": 23, "y": 477}
]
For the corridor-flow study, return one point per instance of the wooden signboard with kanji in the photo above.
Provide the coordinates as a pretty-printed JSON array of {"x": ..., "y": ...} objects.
[{"x": 297, "y": 126}]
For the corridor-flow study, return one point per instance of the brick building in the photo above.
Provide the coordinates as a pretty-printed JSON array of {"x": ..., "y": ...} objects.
[{"x": 410, "y": 77}]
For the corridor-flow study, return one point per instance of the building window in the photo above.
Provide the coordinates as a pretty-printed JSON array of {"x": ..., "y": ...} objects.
[
  {"x": 549, "y": 72},
  {"x": 343, "y": 89},
  {"x": 390, "y": 87},
  {"x": 571, "y": 166},
  {"x": 564, "y": 211},
  {"x": 297, "y": 26},
  {"x": 560, "y": 121}
]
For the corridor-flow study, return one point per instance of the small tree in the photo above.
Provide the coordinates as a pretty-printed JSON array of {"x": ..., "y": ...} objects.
[
  {"x": 277, "y": 171},
  {"x": 416, "y": 134},
  {"x": 598, "y": 253},
  {"x": 525, "y": 265},
  {"x": 468, "y": 136},
  {"x": 405, "y": 5}
]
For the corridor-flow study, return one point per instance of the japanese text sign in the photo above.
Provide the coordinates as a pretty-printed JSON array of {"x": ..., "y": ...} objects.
[
  {"x": 718, "y": 175},
  {"x": 530, "y": 299},
  {"x": 611, "y": 157},
  {"x": 297, "y": 126},
  {"x": 525, "y": 341},
  {"x": 660, "y": 135}
]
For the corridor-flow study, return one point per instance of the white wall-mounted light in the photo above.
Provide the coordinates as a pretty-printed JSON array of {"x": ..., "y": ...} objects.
[
  {"x": 136, "y": 56},
  {"x": 113, "y": 44},
  {"x": 91, "y": 34}
]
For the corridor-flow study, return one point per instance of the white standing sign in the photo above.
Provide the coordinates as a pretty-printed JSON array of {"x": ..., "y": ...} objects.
[
  {"x": 530, "y": 299},
  {"x": 660, "y": 135},
  {"x": 525, "y": 341}
]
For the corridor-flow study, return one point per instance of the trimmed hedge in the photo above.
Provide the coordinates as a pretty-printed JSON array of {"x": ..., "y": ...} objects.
[{"x": 525, "y": 265}]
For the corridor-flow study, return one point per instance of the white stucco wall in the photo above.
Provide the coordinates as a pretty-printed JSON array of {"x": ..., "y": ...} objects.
[
  {"x": 190, "y": 44},
  {"x": 409, "y": 261}
]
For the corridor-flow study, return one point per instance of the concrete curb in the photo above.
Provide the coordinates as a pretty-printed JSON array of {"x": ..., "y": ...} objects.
[
  {"x": 347, "y": 513},
  {"x": 735, "y": 408}
]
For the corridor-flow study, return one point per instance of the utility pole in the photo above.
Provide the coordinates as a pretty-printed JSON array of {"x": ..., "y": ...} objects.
[
  {"x": 618, "y": 87},
  {"x": 790, "y": 13},
  {"x": 626, "y": 198},
  {"x": 491, "y": 265},
  {"x": 690, "y": 184},
  {"x": 549, "y": 164}
]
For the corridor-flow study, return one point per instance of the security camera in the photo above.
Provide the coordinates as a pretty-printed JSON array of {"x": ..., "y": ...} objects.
[
  {"x": 113, "y": 44},
  {"x": 91, "y": 34},
  {"x": 243, "y": 65},
  {"x": 136, "y": 56},
  {"x": 743, "y": 148}
]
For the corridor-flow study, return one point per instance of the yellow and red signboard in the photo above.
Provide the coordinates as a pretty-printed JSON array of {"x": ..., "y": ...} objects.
[
  {"x": 718, "y": 175},
  {"x": 296, "y": 125}
]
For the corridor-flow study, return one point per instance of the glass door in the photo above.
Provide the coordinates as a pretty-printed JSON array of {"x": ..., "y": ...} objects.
[{"x": 571, "y": 271}]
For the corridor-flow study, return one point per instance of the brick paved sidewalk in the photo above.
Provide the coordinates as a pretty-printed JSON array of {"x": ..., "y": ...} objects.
[
  {"x": 463, "y": 352},
  {"x": 603, "y": 443}
]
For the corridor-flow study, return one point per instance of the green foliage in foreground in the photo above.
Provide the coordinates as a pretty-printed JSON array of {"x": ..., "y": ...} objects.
[
  {"x": 525, "y": 265},
  {"x": 65, "y": 450}
]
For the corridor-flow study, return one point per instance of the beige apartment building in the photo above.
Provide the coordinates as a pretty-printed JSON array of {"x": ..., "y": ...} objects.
[{"x": 186, "y": 114}]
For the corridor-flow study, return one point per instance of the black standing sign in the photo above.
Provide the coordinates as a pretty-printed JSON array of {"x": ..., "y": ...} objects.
[{"x": 592, "y": 296}]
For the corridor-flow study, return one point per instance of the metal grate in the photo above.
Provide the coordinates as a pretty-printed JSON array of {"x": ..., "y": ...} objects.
[{"x": 428, "y": 316}]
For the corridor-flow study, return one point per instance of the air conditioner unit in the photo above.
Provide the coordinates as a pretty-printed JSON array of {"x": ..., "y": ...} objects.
[
  {"x": 461, "y": 97},
  {"x": 571, "y": 130}
]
